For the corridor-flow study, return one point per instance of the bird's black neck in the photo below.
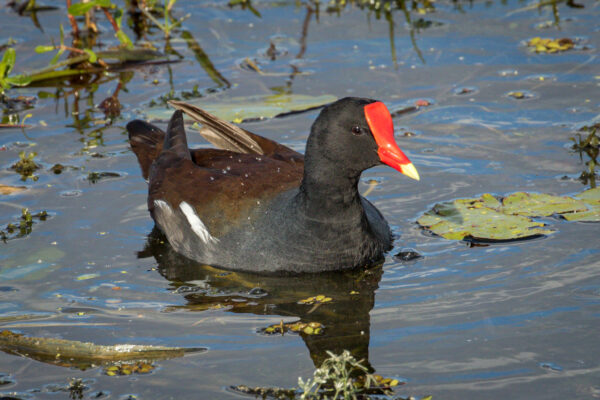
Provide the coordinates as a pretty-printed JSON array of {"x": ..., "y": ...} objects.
[{"x": 327, "y": 191}]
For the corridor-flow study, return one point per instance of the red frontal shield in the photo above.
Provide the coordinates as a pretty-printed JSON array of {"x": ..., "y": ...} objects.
[{"x": 381, "y": 125}]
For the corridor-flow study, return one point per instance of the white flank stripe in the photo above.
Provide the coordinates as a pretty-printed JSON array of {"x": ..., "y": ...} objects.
[
  {"x": 163, "y": 206},
  {"x": 196, "y": 223}
]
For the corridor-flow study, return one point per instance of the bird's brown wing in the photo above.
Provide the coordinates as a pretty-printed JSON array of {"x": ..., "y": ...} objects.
[
  {"x": 227, "y": 136},
  {"x": 224, "y": 186}
]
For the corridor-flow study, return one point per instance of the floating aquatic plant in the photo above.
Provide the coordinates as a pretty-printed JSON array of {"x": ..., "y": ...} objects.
[
  {"x": 592, "y": 199},
  {"x": 23, "y": 227},
  {"x": 488, "y": 218},
  {"x": 520, "y": 95},
  {"x": 547, "y": 45},
  {"x": 315, "y": 299},
  {"x": 26, "y": 166},
  {"x": 129, "y": 368},
  {"x": 82, "y": 355},
  {"x": 310, "y": 328},
  {"x": 339, "y": 377},
  {"x": 95, "y": 177},
  {"x": 251, "y": 108}
]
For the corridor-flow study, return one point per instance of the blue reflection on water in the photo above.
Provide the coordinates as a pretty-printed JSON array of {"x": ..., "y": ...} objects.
[
  {"x": 385, "y": 336},
  {"x": 484, "y": 375}
]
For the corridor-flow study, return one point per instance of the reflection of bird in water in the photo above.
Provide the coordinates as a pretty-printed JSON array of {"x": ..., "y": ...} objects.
[{"x": 345, "y": 318}]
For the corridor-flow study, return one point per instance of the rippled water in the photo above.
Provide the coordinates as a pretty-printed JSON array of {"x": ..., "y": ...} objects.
[{"x": 513, "y": 320}]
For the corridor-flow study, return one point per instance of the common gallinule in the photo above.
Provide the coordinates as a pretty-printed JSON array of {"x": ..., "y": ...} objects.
[{"x": 256, "y": 205}]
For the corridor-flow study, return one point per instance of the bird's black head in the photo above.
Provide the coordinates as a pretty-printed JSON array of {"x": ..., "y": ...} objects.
[{"x": 351, "y": 135}]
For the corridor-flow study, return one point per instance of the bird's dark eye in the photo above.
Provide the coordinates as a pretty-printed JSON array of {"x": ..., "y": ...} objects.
[{"x": 356, "y": 130}]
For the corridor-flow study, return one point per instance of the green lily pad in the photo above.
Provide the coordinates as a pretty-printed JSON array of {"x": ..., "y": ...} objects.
[
  {"x": 488, "y": 219},
  {"x": 487, "y": 200},
  {"x": 540, "y": 204},
  {"x": 592, "y": 215},
  {"x": 473, "y": 219},
  {"x": 591, "y": 198},
  {"x": 239, "y": 109}
]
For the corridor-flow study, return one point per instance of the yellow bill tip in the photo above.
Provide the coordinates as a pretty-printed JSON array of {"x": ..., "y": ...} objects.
[{"x": 410, "y": 171}]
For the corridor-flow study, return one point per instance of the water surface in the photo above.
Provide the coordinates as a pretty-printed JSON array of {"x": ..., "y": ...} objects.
[{"x": 512, "y": 320}]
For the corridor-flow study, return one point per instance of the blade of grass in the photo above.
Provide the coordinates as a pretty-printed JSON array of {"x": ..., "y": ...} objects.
[{"x": 204, "y": 61}]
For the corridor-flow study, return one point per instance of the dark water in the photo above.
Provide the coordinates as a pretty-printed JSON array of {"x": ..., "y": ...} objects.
[{"x": 516, "y": 320}]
